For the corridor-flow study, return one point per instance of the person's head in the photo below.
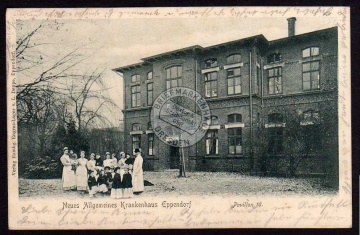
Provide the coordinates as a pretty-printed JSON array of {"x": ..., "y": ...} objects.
[
  {"x": 122, "y": 154},
  {"x": 82, "y": 154},
  {"x": 93, "y": 173},
  {"x": 107, "y": 169},
  {"x": 107, "y": 155},
  {"x": 92, "y": 156},
  {"x": 102, "y": 172},
  {"x": 113, "y": 156},
  {"x": 126, "y": 169},
  {"x": 137, "y": 151},
  {"x": 66, "y": 150},
  {"x": 117, "y": 170},
  {"x": 71, "y": 152},
  {"x": 98, "y": 156}
]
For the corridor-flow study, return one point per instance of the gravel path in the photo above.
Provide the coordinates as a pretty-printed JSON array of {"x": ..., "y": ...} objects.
[{"x": 197, "y": 183}]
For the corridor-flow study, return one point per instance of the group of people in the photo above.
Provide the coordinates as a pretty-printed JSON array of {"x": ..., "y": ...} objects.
[{"x": 121, "y": 178}]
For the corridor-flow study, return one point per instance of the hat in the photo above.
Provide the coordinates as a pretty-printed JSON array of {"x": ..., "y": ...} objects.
[
  {"x": 137, "y": 150},
  {"x": 107, "y": 153},
  {"x": 66, "y": 148},
  {"x": 122, "y": 153},
  {"x": 107, "y": 168},
  {"x": 116, "y": 168}
]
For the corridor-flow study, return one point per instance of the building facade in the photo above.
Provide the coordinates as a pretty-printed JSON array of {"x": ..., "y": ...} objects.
[{"x": 273, "y": 104}]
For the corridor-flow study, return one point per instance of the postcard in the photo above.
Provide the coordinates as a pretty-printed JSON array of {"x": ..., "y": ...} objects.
[{"x": 188, "y": 117}]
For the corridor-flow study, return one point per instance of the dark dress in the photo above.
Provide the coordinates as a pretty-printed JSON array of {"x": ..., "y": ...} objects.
[
  {"x": 127, "y": 181},
  {"x": 117, "y": 181},
  {"x": 99, "y": 162},
  {"x": 92, "y": 182},
  {"x": 103, "y": 179}
]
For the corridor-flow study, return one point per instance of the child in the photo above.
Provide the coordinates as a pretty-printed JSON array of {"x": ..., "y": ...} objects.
[
  {"x": 127, "y": 183},
  {"x": 103, "y": 182},
  {"x": 93, "y": 184},
  {"x": 116, "y": 190}
]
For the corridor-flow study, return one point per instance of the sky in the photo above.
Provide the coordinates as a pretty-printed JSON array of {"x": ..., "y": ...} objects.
[{"x": 122, "y": 42}]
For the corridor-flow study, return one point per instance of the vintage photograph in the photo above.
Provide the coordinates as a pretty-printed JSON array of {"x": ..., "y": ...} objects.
[{"x": 128, "y": 108}]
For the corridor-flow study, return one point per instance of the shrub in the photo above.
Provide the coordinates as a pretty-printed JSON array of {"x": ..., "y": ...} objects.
[{"x": 43, "y": 168}]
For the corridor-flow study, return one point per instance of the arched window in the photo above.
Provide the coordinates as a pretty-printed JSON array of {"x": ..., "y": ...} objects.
[
  {"x": 212, "y": 62},
  {"x": 174, "y": 76},
  {"x": 275, "y": 118},
  {"x": 150, "y": 75},
  {"x": 136, "y": 127},
  {"x": 274, "y": 57},
  {"x": 233, "y": 59},
  {"x": 135, "y": 78},
  {"x": 235, "y": 117},
  {"x": 310, "y": 51}
]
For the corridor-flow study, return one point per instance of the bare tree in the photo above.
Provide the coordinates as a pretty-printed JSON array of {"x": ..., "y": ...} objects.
[{"x": 88, "y": 100}]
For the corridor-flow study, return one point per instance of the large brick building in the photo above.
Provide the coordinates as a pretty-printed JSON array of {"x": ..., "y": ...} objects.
[{"x": 273, "y": 104}]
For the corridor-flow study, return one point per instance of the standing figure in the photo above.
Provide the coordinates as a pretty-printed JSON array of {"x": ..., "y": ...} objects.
[
  {"x": 122, "y": 164},
  {"x": 68, "y": 175},
  {"x": 91, "y": 164},
  {"x": 93, "y": 184},
  {"x": 116, "y": 190},
  {"x": 113, "y": 161},
  {"x": 127, "y": 184},
  {"x": 107, "y": 161},
  {"x": 99, "y": 161},
  {"x": 138, "y": 174},
  {"x": 110, "y": 176},
  {"x": 81, "y": 172}
]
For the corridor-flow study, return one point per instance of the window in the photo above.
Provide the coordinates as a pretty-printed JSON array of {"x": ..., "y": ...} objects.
[
  {"x": 135, "y": 78},
  {"x": 136, "y": 127},
  {"x": 234, "y": 81},
  {"x": 151, "y": 144},
  {"x": 150, "y": 75},
  {"x": 233, "y": 59},
  {"x": 310, "y": 117},
  {"x": 149, "y": 126},
  {"x": 232, "y": 118},
  {"x": 310, "y": 68},
  {"x": 135, "y": 96},
  {"x": 211, "y": 84},
  {"x": 212, "y": 142},
  {"x": 149, "y": 93},
  {"x": 136, "y": 142},
  {"x": 173, "y": 77},
  {"x": 235, "y": 134},
  {"x": 275, "y": 140},
  {"x": 275, "y": 118},
  {"x": 210, "y": 63},
  {"x": 275, "y": 57},
  {"x": 235, "y": 140},
  {"x": 275, "y": 80},
  {"x": 214, "y": 120},
  {"x": 311, "y": 51},
  {"x": 275, "y": 134}
]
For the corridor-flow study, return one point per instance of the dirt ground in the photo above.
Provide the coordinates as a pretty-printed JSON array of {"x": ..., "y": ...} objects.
[{"x": 196, "y": 183}]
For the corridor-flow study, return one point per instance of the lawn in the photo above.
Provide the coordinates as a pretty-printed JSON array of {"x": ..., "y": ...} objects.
[{"x": 196, "y": 183}]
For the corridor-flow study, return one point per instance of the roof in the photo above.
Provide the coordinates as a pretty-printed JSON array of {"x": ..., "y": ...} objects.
[
  {"x": 253, "y": 39},
  {"x": 303, "y": 36}
]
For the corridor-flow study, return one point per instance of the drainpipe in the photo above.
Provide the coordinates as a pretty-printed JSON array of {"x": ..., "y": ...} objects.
[{"x": 251, "y": 112}]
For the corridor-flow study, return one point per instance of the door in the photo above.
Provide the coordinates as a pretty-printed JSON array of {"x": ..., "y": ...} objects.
[{"x": 174, "y": 157}]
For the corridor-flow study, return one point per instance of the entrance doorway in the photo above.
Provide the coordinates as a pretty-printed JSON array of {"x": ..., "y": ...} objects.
[{"x": 174, "y": 157}]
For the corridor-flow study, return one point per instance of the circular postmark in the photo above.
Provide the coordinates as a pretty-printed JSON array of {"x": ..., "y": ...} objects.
[{"x": 180, "y": 117}]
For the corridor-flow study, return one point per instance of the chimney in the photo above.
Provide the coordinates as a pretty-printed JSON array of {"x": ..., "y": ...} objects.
[{"x": 291, "y": 26}]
